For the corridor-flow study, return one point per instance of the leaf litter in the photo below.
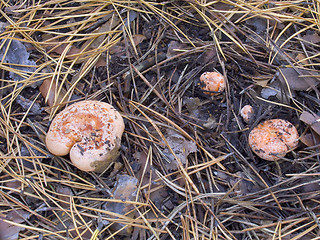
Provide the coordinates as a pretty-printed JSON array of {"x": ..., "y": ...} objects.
[
  {"x": 300, "y": 79},
  {"x": 124, "y": 190},
  {"x": 14, "y": 54},
  {"x": 8, "y": 229},
  {"x": 180, "y": 147},
  {"x": 146, "y": 59}
]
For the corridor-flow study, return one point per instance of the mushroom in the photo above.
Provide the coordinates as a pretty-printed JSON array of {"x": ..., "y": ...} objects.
[
  {"x": 90, "y": 131},
  {"x": 247, "y": 113},
  {"x": 212, "y": 83},
  {"x": 272, "y": 139}
]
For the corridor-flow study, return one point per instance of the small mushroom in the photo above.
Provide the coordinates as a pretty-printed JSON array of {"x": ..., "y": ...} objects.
[
  {"x": 247, "y": 113},
  {"x": 90, "y": 131},
  {"x": 212, "y": 83},
  {"x": 272, "y": 139}
]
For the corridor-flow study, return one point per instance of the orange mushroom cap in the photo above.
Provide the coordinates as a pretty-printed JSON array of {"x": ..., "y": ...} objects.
[
  {"x": 212, "y": 82},
  {"x": 272, "y": 139},
  {"x": 90, "y": 131}
]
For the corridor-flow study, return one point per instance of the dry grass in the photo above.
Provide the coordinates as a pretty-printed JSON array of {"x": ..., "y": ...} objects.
[{"x": 223, "y": 191}]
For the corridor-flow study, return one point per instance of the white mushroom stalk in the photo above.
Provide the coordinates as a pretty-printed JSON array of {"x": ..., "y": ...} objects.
[{"x": 90, "y": 131}]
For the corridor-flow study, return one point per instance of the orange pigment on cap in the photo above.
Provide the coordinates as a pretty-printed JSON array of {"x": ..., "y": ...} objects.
[
  {"x": 272, "y": 139},
  {"x": 212, "y": 82},
  {"x": 89, "y": 130}
]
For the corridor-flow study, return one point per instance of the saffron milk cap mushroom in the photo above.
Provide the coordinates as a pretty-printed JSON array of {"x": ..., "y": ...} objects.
[
  {"x": 247, "y": 113},
  {"x": 90, "y": 131},
  {"x": 273, "y": 139},
  {"x": 212, "y": 83}
]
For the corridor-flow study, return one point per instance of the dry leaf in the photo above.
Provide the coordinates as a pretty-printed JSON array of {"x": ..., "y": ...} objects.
[
  {"x": 211, "y": 123},
  {"x": 210, "y": 55},
  {"x": 193, "y": 106},
  {"x": 308, "y": 118},
  {"x": 101, "y": 61},
  {"x": 71, "y": 55},
  {"x": 125, "y": 190},
  {"x": 308, "y": 185},
  {"x": 9, "y": 231},
  {"x": 269, "y": 92},
  {"x": 105, "y": 28},
  {"x": 50, "y": 88},
  {"x": 310, "y": 139},
  {"x": 74, "y": 52},
  {"x": 3, "y": 26},
  {"x": 312, "y": 120},
  {"x": 26, "y": 150},
  {"x": 243, "y": 185},
  {"x": 174, "y": 47},
  {"x": 138, "y": 38},
  {"x": 259, "y": 24},
  {"x": 65, "y": 194},
  {"x": 142, "y": 160},
  {"x": 313, "y": 38},
  {"x": 65, "y": 223},
  {"x": 14, "y": 54},
  {"x": 27, "y": 103},
  {"x": 158, "y": 195},
  {"x": 219, "y": 5},
  {"x": 120, "y": 48},
  {"x": 15, "y": 184},
  {"x": 84, "y": 232},
  {"x": 295, "y": 82},
  {"x": 262, "y": 83},
  {"x": 301, "y": 58},
  {"x": 181, "y": 148},
  {"x": 259, "y": 79}
]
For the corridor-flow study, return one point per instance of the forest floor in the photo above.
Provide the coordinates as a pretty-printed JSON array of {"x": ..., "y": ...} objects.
[{"x": 185, "y": 169}]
